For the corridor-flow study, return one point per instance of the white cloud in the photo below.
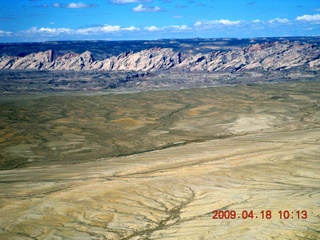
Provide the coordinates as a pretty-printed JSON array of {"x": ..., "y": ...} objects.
[
  {"x": 168, "y": 28},
  {"x": 51, "y": 31},
  {"x": 84, "y": 31},
  {"x": 5, "y": 33},
  {"x": 141, "y": 8},
  {"x": 227, "y": 22},
  {"x": 309, "y": 18},
  {"x": 279, "y": 20},
  {"x": 131, "y": 28},
  {"x": 73, "y": 5},
  {"x": 105, "y": 29},
  {"x": 181, "y": 28},
  {"x": 216, "y": 22},
  {"x": 152, "y": 28},
  {"x": 77, "y": 5}
]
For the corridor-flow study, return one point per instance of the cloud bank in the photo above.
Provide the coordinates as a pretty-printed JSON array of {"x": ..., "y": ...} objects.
[
  {"x": 309, "y": 18},
  {"x": 307, "y": 25},
  {"x": 84, "y": 31}
]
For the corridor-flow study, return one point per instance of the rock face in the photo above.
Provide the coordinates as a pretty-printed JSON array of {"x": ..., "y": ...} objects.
[{"x": 266, "y": 56}]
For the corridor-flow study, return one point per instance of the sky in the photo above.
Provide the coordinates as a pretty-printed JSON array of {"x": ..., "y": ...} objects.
[{"x": 53, "y": 20}]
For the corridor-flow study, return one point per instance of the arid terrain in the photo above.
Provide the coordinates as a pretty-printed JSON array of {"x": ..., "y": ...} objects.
[
  {"x": 198, "y": 139},
  {"x": 154, "y": 165}
]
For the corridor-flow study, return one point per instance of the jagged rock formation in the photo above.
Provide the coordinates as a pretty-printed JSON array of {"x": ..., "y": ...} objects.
[{"x": 266, "y": 56}]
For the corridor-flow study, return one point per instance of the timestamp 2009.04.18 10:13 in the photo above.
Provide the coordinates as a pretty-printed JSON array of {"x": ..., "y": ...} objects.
[{"x": 264, "y": 214}]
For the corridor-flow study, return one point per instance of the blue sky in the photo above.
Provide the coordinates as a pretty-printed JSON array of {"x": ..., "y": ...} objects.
[{"x": 43, "y": 20}]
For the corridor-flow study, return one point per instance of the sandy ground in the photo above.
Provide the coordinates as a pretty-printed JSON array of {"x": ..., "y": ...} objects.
[{"x": 269, "y": 163}]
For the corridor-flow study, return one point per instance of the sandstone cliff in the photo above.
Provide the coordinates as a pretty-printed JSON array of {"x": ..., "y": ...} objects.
[{"x": 266, "y": 56}]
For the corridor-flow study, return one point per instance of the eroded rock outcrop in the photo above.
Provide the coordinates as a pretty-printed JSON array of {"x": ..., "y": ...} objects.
[{"x": 266, "y": 56}]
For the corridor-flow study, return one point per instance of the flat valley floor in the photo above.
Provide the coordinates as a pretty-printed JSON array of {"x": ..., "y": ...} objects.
[{"x": 156, "y": 164}]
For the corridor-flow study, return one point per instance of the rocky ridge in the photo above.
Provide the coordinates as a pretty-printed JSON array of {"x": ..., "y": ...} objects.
[{"x": 266, "y": 56}]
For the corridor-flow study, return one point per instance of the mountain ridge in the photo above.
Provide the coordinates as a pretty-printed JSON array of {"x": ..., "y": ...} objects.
[{"x": 268, "y": 56}]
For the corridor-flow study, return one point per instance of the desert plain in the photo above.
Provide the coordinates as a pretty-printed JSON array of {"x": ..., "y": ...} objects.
[{"x": 156, "y": 164}]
